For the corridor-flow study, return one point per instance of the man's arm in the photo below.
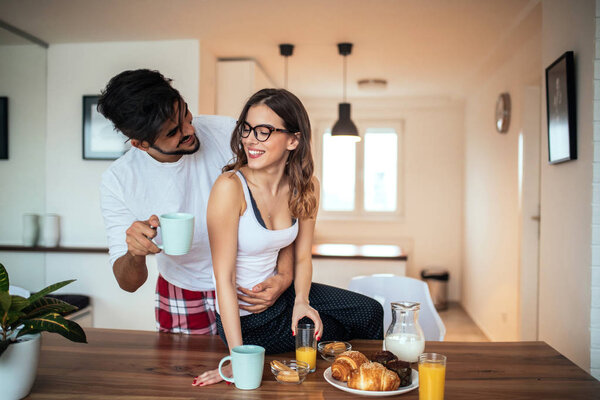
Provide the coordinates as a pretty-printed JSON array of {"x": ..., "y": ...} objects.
[
  {"x": 128, "y": 240},
  {"x": 130, "y": 269},
  {"x": 264, "y": 295}
]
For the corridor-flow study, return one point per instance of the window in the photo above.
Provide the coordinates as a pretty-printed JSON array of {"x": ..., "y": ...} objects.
[
  {"x": 339, "y": 180},
  {"x": 381, "y": 170},
  {"x": 361, "y": 179}
]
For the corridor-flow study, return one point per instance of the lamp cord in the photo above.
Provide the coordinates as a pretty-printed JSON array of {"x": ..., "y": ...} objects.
[
  {"x": 344, "y": 79},
  {"x": 285, "y": 74}
]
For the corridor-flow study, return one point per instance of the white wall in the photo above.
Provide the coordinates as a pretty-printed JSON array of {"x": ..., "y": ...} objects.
[
  {"x": 75, "y": 70},
  {"x": 112, "y": 307},
  {"x": 490, "y": 284},
  {"x": 595, "y": 302},
  {"x": 23, "y": 81},
  {"x": 566, "y": 192},
  {"x": 22, "y": 176},
  {"x": 208, "y": 81},
  {"x": 431, "y": 228},
  {"x": 72, "y": 183}
]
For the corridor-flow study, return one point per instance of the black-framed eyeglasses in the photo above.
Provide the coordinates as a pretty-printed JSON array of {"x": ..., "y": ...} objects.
[{"x": 261, "y": 132}]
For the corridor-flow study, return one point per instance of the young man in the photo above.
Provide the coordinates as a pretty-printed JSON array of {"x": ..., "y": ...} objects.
[{"x": 171, "y": 167}]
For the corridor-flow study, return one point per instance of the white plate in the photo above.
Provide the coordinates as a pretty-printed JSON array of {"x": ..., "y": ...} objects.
[{"x": 344, "y": 386}]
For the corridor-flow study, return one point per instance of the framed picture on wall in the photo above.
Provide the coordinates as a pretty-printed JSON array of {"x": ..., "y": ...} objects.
[
  {"x": 560, "y": 104},
  {"x": 3, "y": 128},
  {"x": 101, "y": 141}
]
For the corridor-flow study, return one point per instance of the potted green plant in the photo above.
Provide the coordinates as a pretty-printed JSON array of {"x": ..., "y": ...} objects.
[{"x": 21, "y": 321}]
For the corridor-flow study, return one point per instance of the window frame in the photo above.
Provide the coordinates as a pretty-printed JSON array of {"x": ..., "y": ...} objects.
[{"x": 359, "y": 212}]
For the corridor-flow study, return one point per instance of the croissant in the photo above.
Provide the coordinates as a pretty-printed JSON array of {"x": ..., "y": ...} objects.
[
  {"x": 345, "y": 363},
  {"x": 374, "y": 377}
]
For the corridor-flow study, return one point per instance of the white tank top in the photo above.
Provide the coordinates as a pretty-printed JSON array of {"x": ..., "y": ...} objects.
[{"x": 258, "y": 247}]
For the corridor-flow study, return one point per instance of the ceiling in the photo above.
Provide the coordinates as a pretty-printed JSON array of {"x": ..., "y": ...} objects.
[{"x": 422, "y": 47}]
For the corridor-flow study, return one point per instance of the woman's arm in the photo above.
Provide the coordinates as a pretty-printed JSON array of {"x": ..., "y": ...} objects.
[
  {"x": 303, "y": 271},
  {"x": 223, "y": 214}
]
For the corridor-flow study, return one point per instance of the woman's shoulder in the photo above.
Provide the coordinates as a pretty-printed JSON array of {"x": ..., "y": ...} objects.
[
  {"x": 227, "y": 192},
  {"x": 228, "y": 181}
]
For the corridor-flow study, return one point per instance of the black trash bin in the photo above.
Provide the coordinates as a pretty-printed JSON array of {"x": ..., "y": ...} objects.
[{"x": 437, "y": 280}]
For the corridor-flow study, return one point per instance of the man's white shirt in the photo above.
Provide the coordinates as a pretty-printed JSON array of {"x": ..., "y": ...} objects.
[{"x": 137, "y": 186}]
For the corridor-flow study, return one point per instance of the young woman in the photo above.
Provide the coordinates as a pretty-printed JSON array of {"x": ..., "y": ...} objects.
[{"x": 267, "y": 199}]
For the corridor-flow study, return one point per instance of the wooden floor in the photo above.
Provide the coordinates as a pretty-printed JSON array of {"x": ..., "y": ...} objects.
[{"x": 459, "y": 326}]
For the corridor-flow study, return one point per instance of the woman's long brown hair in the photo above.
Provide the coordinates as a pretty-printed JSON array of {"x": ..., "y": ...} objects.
[{"x": 299, "y": 167}]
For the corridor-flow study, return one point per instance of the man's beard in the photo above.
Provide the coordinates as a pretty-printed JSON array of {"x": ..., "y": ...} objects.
[{"x": 179, "y": 152}]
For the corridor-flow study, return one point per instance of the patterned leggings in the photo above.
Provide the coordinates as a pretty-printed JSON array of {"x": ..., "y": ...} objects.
[{"x": 346, "y": 315}]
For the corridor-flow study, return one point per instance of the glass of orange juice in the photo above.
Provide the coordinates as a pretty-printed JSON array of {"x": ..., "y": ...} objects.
[
  {"x": 432, "y": 375},
  {"x": 306, "y": 345}
]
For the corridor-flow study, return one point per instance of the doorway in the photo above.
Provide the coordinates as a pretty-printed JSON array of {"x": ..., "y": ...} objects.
[{"x": 529, "y": 202}]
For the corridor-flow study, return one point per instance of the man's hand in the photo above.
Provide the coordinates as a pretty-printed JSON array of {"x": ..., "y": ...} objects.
[
  {"x": 264, "y": 295},
  {"x": 139, "y": 235}
]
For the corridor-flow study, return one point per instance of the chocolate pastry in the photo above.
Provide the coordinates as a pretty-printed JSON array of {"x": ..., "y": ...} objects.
[
  {"x": 402, "y": 368},
  {"x": 383, "y": 357}
]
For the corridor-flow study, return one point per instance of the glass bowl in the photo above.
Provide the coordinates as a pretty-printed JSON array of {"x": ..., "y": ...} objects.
[
  {"x": 329, "y": 353},
  {"x": 293, "y": 372}
]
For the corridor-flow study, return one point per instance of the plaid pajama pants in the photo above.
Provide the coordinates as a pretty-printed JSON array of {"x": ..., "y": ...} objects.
[{"x": 184, "y": 311}]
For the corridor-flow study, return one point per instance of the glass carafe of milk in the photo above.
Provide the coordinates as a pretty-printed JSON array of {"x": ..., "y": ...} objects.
[{"x": 405, "y": 337}]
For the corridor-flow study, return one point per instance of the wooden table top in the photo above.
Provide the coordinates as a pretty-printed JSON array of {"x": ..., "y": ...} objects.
[{"x": 147, "y": 365}]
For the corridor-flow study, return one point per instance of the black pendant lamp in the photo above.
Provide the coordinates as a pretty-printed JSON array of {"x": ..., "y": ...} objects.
[
  {"x": 344, "y": 127},
  {"x": 286, "y": 50}
]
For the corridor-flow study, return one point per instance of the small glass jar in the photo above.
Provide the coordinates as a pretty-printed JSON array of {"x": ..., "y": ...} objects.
[{"x": 405, "y": 337}]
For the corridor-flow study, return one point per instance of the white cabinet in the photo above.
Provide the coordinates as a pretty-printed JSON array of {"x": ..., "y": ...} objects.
[
  {"x": 237, "y": 80},
  {"x": 337, "y": 264},
  {"x": 339, "y": 272}
]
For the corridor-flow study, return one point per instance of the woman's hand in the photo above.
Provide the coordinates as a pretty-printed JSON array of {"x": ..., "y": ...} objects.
[
  {"x": 211, "y": 377},
  {"x": 303, "y": 309}
]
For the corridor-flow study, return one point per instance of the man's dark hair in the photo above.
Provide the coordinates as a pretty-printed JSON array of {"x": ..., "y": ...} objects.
[{"x": 139, "y": 102}]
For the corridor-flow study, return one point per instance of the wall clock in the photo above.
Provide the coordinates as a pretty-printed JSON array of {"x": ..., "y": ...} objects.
[{"x": 503, "y": 113}]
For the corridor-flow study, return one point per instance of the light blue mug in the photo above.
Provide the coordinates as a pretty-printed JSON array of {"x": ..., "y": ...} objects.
[
  {"x": 177, "y": 231},
  {"x": 247, "y": 362}
]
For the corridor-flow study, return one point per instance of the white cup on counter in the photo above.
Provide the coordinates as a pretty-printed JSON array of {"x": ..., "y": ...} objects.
[{"x": 50, "y": 230}]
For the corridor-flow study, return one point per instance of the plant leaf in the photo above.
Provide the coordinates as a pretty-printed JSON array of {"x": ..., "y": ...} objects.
[
  {"x": 3, "y": 345},
  {"x": 5, "y": 300},
  {"x": 48, "y": 305},
  {"x": 54, "y": 323},
  {"x": 35, "y": 297},
  {"x": 3, "y": 279},
  {"x": 14, "y": 318},
  {"x": 18, "y": 303}
]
